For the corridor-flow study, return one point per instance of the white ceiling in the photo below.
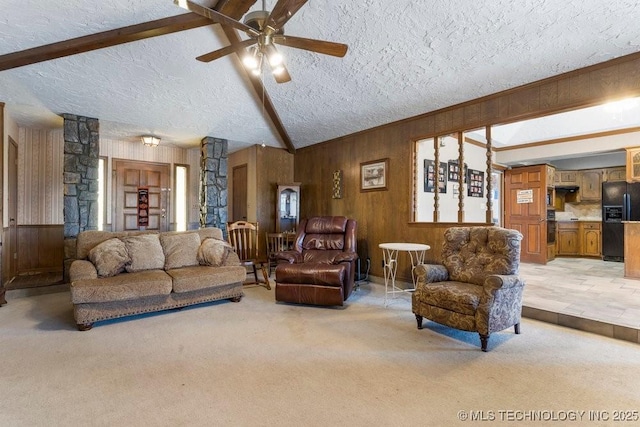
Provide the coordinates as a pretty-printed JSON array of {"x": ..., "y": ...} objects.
[{"x": 405, "y": 58}]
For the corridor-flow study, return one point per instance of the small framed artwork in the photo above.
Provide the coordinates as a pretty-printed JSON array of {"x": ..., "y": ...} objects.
[
  {"x": 337, "y": 185},
  {"x": 373, "y": 175},
  {"x": 143, "y": 206},
  {"x": 430, "y": 177}
]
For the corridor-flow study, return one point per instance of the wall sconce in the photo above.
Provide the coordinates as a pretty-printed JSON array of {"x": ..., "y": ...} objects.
[{"x": 150, "y": 140}]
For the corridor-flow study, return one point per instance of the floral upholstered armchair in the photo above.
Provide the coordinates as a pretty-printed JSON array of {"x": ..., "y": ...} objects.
[{"x": 477, "y": 288}]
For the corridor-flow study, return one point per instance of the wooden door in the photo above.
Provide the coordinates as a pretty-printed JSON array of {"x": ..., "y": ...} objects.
[
  {"x": 528, "y": 214},
  {"x": 130, "y": 177},
  {"x": 240, "y": 191},
  {"x": 12, "y": 207}
]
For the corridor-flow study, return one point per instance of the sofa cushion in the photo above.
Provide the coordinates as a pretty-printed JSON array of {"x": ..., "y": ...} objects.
[
  {"x": 459, "y": 297},
  {"x": 312, "y": 274},
  {"x": 201, "y": 277},
  {"x": 180, "y": 250},
  {"x": 123, "y": 287},
  {"x": 213, "y": 252},
  {"x": 145, "y": 252},
  {"x": 109, "y": 257}
]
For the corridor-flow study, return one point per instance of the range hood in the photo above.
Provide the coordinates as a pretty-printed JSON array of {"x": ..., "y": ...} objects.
[{"x": 567, "y": 188}]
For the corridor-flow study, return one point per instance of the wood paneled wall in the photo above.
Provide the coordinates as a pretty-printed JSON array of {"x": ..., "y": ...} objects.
[
  {"x": 272, "y": 166},
  {"x": 385, "y": 216},
  {"x": 40, "y": 168},
  {"x": 40, "y": 248}
]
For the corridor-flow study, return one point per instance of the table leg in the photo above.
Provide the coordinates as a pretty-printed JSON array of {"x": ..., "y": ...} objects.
[
  {"x": 390, "y": 267},
  {"x": 417, "y": 258}
]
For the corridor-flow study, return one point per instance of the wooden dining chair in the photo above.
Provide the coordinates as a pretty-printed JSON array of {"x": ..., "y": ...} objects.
[
  {"x": 243, "y": 236},
  {"x": 276, "y": 242}
]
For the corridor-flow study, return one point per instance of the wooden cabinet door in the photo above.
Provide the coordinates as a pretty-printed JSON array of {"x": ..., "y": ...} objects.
[
  {"x": 568, "y": 242},
  {"x": 565, "y": 177},
  {"x": 591, "y": 239},
  {"x": 591, "y": 243},
  {"x": 591, "y": 185},
  {"x": 615, "y": 174}
]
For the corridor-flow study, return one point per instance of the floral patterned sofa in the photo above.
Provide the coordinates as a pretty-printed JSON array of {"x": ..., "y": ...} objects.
[{"x": 477, "y": 287}]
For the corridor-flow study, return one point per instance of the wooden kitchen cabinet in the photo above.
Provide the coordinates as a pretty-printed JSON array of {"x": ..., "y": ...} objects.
[
  {"x": 591, "y": 239},
  {"x": 568, "y": 238},
  {"x": 633, "y": 164},
  {"x": 551, "y": 173},
  {"x": 615, "y": 174},
  {"x": 565, "y": 178},
  {"x": 591, "y": 185}
]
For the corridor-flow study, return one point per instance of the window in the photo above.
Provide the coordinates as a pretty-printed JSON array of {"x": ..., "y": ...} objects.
[
  {"x": 181, "y": 198},
  {"x": 102, "y": 184},
  {"x": 444, "y": 184}
]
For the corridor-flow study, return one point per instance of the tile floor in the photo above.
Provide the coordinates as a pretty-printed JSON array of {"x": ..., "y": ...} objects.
[{"x": 585, "y": 294}]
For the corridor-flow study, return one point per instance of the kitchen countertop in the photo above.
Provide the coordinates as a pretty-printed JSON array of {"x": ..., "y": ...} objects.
[{"x": 580, "y": 220}]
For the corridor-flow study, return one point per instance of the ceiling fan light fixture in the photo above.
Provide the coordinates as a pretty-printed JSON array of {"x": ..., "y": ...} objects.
[
  {"x": 250, "y": 60},
  {"x": 275, "y": 58}
]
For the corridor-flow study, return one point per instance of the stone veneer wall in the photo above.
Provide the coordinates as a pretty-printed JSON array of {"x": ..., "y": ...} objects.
[
  {"x": 81, "y": 157},
  {"x": 213, "y": 183}
]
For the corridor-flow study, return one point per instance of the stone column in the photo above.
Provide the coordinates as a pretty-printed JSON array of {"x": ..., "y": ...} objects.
[
  {"x": 81, "y": 156},
  {"x": 213, "y": 183}
]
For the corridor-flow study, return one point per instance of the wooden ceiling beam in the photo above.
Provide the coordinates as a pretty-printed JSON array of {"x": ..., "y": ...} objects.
[{"x": 101, "y": 40}]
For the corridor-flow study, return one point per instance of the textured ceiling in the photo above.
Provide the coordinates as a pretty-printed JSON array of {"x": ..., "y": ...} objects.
[{"x": 405, "y": 58}]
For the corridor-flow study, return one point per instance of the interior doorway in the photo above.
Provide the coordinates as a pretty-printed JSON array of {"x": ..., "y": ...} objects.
[
  {"x": 12, "y": 209},
  {"x": 525, "y": 210},
  {"x": 240, "y": 191},
  {"x": 136, "y": 181}
]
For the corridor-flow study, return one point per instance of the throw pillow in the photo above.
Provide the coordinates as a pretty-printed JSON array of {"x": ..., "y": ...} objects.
[
  {"x": 213, "y": 252},
  {"x": 145, "y": 252},
  {"x": 110, "y": 257},
  {"x": 180, "y": 250}
]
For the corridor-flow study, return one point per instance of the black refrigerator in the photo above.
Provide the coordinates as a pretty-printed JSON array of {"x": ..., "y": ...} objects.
[{"x": 620, "y": 202}]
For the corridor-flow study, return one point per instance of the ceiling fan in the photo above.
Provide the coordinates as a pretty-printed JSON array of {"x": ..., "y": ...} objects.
[{"x": 265, "y": 29}]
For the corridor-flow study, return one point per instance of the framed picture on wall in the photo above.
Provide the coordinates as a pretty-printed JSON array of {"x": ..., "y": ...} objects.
[
  {"x": 475, "y": 179},
  {"x": 373, "y": 175},
  {"x": 430, "y": 177}
]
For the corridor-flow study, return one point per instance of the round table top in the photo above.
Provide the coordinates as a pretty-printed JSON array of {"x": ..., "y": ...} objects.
[{"x": 405, "y": 246}]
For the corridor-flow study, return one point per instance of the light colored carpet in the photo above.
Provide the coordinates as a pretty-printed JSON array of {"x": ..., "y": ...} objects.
[{"x": 260, "y": 363}]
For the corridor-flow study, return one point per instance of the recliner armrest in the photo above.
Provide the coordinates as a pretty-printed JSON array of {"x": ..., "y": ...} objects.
[
  {"x": 499, "y": 281},
  {"x": 345, "y": 257},
  {"x": 292, "y": 257},
  {"x": 431, "y": 273}
]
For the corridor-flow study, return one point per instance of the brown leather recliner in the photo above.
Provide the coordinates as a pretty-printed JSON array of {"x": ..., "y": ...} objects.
[{"x": 321, "y": 267}]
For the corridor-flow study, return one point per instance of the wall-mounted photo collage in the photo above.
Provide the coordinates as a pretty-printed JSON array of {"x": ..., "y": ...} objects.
[
  {"x": 430, "y": 177},
  {"x": 453, "y": 170},
  {"x": 475, "y": 178}
]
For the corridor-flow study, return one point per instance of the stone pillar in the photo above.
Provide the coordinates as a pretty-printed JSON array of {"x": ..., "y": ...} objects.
[
  {"x": 81, "y": 156},
  {"x": 213, "y": 183}
]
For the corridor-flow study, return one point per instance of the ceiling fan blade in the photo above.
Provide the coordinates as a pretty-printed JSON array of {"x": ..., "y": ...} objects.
[
  {"x": 319, "y": 46},
  {"x": 216, "y": 16},
  {"x": 208, "y": 57},
  {"x": 283, "y": 76},
  {"x": 282, "y": 12}
]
